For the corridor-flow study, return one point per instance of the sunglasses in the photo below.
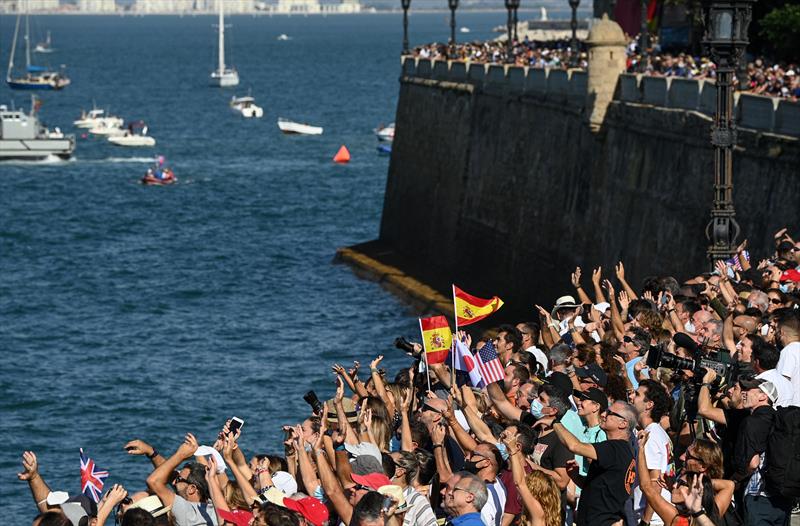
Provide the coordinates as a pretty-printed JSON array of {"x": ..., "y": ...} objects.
[
  {"x": 689, "y": 456},
  {"x": 775, "y": 301},
  {"x": 178, "y": 479},
  {"x": 627, "y": 339},
  {"x": 610, "y": 412},
  {"x": 426, "y": 407}
]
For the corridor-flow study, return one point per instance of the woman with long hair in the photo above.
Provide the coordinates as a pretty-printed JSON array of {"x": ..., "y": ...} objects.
[
  {"x": 539, "y": 493},
  {"x": 715, "y": 494}
]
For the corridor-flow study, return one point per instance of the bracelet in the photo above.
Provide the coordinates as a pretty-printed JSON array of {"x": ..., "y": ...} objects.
[
  {"x": 436, "y": 445},
  {"x": 697, "y": 514},
  {"x": 670, "y": 310},
  {"x": 265, "y": 489},
  {"x": 153, "y": 455}
]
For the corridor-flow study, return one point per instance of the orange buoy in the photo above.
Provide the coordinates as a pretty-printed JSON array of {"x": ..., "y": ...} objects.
[{"x": 342, "y": 156}]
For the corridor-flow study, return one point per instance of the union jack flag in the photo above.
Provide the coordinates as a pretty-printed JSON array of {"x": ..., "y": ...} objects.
[
  {"x": 489, "y": 364},
  {"x": 91, "y": 479}
]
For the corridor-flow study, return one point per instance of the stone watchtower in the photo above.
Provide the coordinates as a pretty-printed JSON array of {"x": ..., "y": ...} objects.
[{"x": 606, "y": 43}]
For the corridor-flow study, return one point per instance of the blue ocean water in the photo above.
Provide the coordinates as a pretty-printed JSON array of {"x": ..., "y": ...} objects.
[{"x": 130, "y": 311}]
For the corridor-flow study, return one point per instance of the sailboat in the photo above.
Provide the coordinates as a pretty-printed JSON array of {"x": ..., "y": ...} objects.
[
  {"x": 223, "y": 76},
  {"x": 35, "y": 77},
  {"x": 44, "y": 47}
]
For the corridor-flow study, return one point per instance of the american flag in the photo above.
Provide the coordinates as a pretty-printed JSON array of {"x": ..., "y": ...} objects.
[
  {"x": 489, "y": 364},
  {"x": 91, "y": 479}
]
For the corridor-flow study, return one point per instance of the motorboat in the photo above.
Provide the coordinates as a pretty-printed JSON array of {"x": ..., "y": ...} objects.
[
  {"x": 34, "y": 77},
  {"x": 384, "y": 149},
  {"x": 284, "y": 36},
  {"x": 23, "y": 137},
  {"x": 295, "y": 128},
  {"x": 96, "y": 118},
  {"x": 464, "y": 30},
  {"x": 385, "y": 133},
  {"x": 44, "y": 47},
  {"x": 107, "y": 129},
  {"x": 246, "y": 107},
  {"x": 223, "y": 76},
  {"x": 135, "y": 135},
  {"x": 159, "y": 177}
]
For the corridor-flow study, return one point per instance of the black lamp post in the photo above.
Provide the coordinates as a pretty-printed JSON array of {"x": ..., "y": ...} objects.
[
  {"x": 453, "y": 5},
  {"x": 573, "y": 59},
  {"x": 516, "y": 19},
  {"x": 643, "y": 38},
  {"x": 511, "y": 6},
  {"x": 726, "y": 24},
  {"x": 406, "y": 4}
]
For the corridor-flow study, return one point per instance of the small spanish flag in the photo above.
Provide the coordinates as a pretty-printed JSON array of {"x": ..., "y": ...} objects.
[
  {"x": 470, "y": 309},
  {"x": 436, "y": 338}
]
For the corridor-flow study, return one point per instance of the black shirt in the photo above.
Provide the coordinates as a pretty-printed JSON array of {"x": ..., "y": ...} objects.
[
  {"x": 550, "y": 453},
  {"x": 751, "y": 440},
  {"x": 608, "y": 484},
  {"x": 733, "y": 419}
]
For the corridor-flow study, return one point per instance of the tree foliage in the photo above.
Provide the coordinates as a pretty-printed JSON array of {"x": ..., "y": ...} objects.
[{"x": 780, "y": 29}]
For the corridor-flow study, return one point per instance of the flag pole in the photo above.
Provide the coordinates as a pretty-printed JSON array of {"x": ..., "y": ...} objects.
[
  {"x": 452, "y": 351},
  {"x": 425, "y": 354}
]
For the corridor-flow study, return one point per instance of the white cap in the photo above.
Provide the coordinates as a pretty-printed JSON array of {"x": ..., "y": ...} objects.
[{"x": 57, "y": 498}]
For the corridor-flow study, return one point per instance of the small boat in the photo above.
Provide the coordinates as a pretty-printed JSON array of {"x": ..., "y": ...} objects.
[
  {"x": 95, "y": 118},
  {"x": 384, "y": 149},
  {"x": 24, "y": 137},
  {"x": 290, "y": 127},
  {"x": 464, "y": 30},
  {"x": 44, "y": 47},
  {"x": 34, "y": 77},
  {"x": 284, "y": 36},
  {"x": 223, "y": 76},
  {"x": 246, "y": 107},
  {"x": 158, "y": 174},
  {"x": 385, "y": 133},
  {"x": 135, "y": 135},
  {"x": 107, "y": 129}
]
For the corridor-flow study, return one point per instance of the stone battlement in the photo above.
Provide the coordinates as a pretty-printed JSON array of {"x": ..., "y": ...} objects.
[{"x": 570, "y": 88}]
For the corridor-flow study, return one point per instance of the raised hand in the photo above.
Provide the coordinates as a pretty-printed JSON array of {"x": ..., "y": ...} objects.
[
  {"x": 353, "y": 371},
  {"x": 597, "y": 275},
  {"x": 610, "y": 288},
  {"x": 408, "y": 397},
  {"x": 188, "y": 447},
  {"x": 338, "y": 369},
  {"x": 643, "y": 436},
  {"x": 543, "y": 312},
  {"x": 228, "y": 448},
  {"x": 742, "y": 247},
  {"x": 438, "y": 433},
  {"x": 115, "y": 495},
  {"x": 339, "y": 390},
  {"x": 693, "y": 497},
  {"x": 30, "y": 466},
  {"x": 510, "y": 440},
  {"x": 624, "y": 300},
  {"x": 138, "y": 447},
  {"x": 572, "y": 468},
  {"x": 575, "y": 278},
  {"x": 648, "y": 296},
  {"x": 620, "y": 271},
  {"x": 376, "y": 362},
  {"x": 722, "y": 269}
]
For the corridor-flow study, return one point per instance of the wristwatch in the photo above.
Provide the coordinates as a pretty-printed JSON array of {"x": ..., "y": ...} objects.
[
  {"x": 697, "y": 514},
  {"x": 153, "y": 455}
]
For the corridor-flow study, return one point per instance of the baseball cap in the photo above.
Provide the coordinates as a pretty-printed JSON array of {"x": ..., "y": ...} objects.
[
  {"x": 313, "y": 510},
  {"x": 791, "y": 275},
  {"x": 79, "y": 509},
  {"x": 285, "y": 482},
  {"x": 372, "y": 480},
  {"x": 237, "y": 516},
  {"x": 363, "y": 448},
  {"x": 366, "y": 464},
  {"x": 765, "y": 385},
  {"x": 595, "y": 395},
  {"x": 594, "y": 372}
]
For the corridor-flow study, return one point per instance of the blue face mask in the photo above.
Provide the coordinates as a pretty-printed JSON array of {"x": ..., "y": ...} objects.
[
  {"x": 536, "y": 409},
  {"x": 503, "y": 450},
  {"x": 784, "y": 288}
]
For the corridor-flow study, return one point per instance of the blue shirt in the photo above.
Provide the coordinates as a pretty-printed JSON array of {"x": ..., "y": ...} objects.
[
  {"x": 468, "y": 519},
  {"x": 631, "y": 373}
]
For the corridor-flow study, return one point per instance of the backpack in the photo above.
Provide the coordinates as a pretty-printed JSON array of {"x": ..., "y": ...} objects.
[{"x": 782, "y": 472}]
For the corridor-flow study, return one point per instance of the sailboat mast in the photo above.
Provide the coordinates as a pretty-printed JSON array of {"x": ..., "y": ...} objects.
[
  {"x": 13, "y": 50},
  {"x": 27, "y": 41},
  {"x": 221, "y": 64}
]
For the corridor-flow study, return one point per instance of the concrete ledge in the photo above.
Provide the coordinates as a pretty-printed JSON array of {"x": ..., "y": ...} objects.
[
  {"x": 424, "y": 69},
  {"x": 458, "y": 71},
  {"x": 787, "y": 118},
  {"x": 708, "y": 98},
  {"x": 684, "y": 94},
  {"x": 757, "y": 112},
  {"x": 537, "y": 81},
  {"x": 578, "y": 86},
  {"x": 409, "y": 66},
  {"x": 441, "y": 70},
  {"x": 654, "y": 90},
  {"x": 516, "y": 79},
  {"x": 476, "y": 74},
  {"x": 396, "y": 281},
  {"x": 629, "y": 88},
  {"x": 557, "y": 85}
]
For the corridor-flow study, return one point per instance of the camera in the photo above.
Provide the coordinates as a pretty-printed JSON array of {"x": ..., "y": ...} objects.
[
  {"x": 312, "y": 400},
  {"x": 719, "y": 362},
  {"x": 404, "y": 345}
]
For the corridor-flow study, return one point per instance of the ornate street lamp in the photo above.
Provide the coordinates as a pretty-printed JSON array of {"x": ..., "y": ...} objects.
[
  {"x": 453, "y": 5},
  {"x": 643, "y": 38},
  {"x": 573, "y": 59},
  {"x": 406, "y": 4},
  {"x": 726, "y": 24},
  {"x": 516, "y": 20},
  {"x": 511, "y": 6}
]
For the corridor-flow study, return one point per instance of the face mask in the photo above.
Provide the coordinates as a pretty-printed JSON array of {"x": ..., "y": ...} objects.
[
  {"x": 689, "y": 326},
  {"x": 470, "y": 467},
  {"x": 784, "y": 288},
  {"x": 503, "y": 450},
  {"x": 536, "y": 409},
  {"x": 764, "y": 329}
]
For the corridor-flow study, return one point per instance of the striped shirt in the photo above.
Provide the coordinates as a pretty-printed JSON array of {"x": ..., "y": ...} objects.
[{"x": 419, "y": 511}]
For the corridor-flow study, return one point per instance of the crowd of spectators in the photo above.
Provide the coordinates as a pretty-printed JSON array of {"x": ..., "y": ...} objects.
[
  {"x": 591, "y": 423},
  {"x": 763, "y": 77}
]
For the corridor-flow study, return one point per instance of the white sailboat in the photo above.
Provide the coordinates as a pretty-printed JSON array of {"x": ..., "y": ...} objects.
[
  {"x": 223, "y": 77},
  {"x": 34, "y": 77},
  {"x": 46, "y": 46}
]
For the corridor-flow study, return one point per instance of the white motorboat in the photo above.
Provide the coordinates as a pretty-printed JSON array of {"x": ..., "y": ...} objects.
[
  {"x": 95, "y": 118},
  {"x": 135, "y": 135},
  {"x": 223, "y": 76},
  {"x": 24, "y": 137},
  {"x": 107, "y": 129},
  {"x": 290, "y": 127},
  {"x": 45, "y": 47},
  {"x": 385, "y": 133},
  {"x": 247, "y": 107},
  {"x": 464, "y": 30},
  {"x": 284, "y": 36}
]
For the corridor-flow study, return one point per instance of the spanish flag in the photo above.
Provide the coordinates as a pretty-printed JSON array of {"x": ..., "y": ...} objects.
[
  {"x": 470, "y": 309},
  {"x": 436, "y": 338}
]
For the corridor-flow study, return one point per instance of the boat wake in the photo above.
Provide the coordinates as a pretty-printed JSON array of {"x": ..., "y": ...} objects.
[
  {"x": 124, "y": 160},
  {"x": 50, "y": 159}
]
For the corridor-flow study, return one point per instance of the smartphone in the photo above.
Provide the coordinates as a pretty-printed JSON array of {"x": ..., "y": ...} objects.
[{"x": 236, "y": 424}]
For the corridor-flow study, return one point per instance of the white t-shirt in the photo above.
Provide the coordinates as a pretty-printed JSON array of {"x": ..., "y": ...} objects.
[
  {"x": 492, "y": 511},
  {"x": 658, "y": 452},
  {"x": 789, "y": 366},
  {"x": 783, "y": 386}
]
